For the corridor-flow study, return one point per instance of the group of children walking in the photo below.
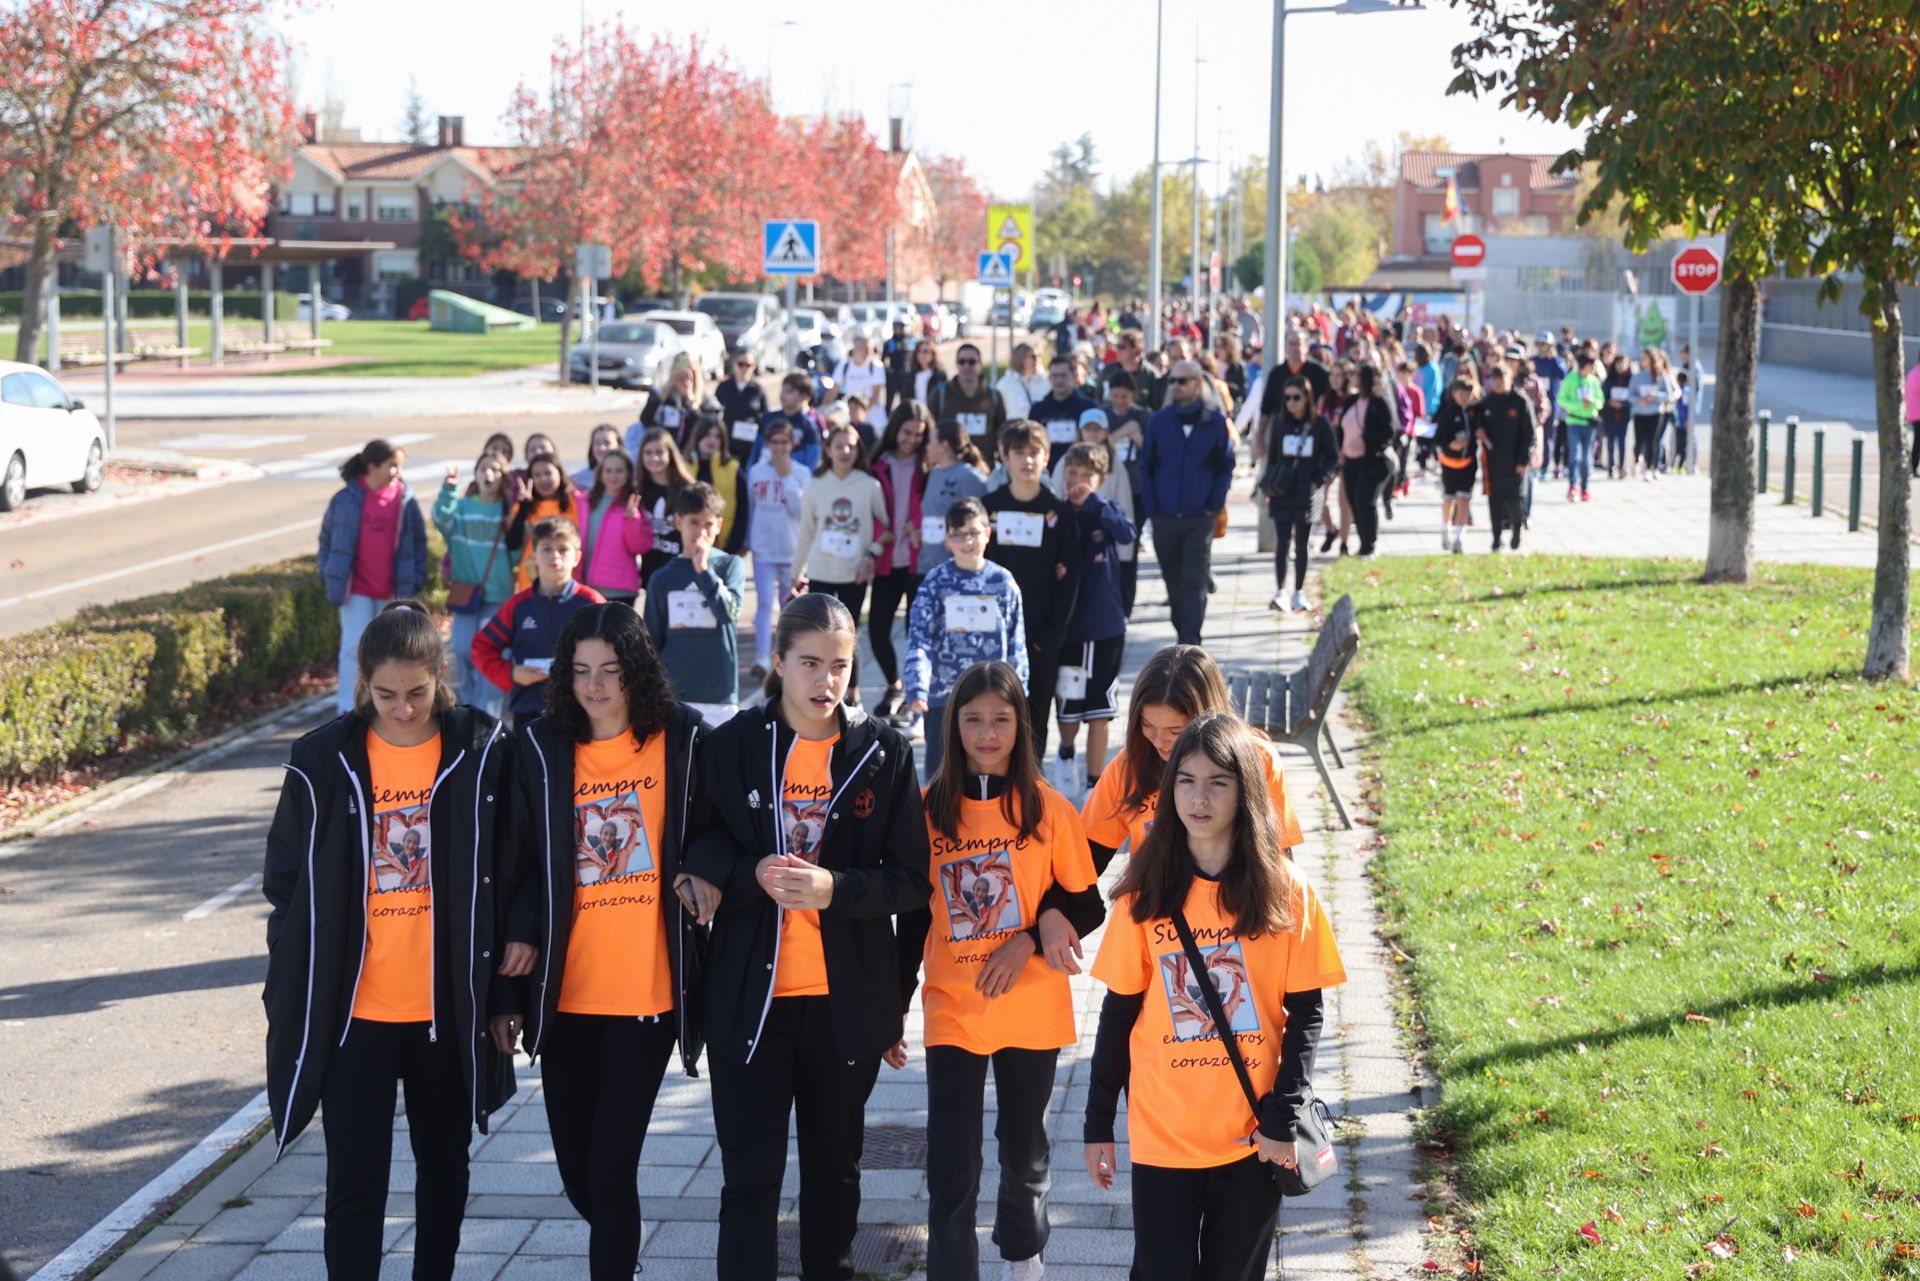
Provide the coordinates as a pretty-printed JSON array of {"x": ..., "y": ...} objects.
[{"x": 618, "y": 884}]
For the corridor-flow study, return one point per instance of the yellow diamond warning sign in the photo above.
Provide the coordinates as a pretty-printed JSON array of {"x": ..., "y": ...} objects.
[{"x": 1010, "y": 231}]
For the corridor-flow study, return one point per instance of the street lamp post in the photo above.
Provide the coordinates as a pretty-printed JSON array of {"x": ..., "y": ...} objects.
[
  {"x": 1275, "y": 281},
  {"x": 1154, "y": 283},
  {"x": 1194, "y": 268}
]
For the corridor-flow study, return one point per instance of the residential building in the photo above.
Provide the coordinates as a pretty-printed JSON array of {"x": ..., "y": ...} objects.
[{"x": 1499, "y": 194}]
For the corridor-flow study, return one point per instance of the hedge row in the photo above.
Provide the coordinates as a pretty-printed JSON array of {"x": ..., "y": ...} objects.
[
  {"x": 148, "y": 672},
  {"x": 160, "y": 304}
]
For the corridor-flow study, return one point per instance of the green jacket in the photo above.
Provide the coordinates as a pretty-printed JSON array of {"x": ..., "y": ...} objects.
[{"x": 1580, "y": 398}]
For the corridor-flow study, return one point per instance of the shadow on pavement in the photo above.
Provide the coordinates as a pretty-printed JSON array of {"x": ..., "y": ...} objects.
[{"x": 74, "y": 996}]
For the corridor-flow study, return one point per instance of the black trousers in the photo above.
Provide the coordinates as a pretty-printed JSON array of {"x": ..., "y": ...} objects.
[
  {"x": 1184, "y": 546},
  {"x": 1646, "y": 439},
  {"x": 1130, "y": 569},
  {"x": 1504, "y": 511},
  {"x": 796, "y": 1071},
  {"x": 1213, "y": 1224},
  {"x": 600, "y": 1074},
  {"x": 890, "y": 591},
  {"x": 1043, "y": 679},
  {"x": 956, "y": 1095},
  {"x": 1296, "y": 532},
  {"x": 1362, "y": 480},
  {"x": 357, "y": 1116},
  {"x": 854, "y": 597}
]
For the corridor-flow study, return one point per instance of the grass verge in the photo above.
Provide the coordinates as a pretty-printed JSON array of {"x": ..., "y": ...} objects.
[
  {"x": 1649, "y": 845},
  {"x": 409, "y": 349}
]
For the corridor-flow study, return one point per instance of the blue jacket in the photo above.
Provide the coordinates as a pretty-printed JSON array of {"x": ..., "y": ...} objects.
[
  {"x": 340, "y": 537},
  {"x": 703, "y": 663},
  {"x": 524, "y": 631},
  {"x": 806, "y": 439},
  {"x": 1098, "y": 613},
  {"x": 1182, "y": 475},
  {"x": 936, "y": 656}
]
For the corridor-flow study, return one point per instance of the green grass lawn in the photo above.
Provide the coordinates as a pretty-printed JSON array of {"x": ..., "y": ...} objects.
[
  {"x": 1650, "y": 845},
  {"x": 396, "y": 348}
]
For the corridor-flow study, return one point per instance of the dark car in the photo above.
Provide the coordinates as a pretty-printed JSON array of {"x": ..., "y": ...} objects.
[{"x": 551, "y": 311}]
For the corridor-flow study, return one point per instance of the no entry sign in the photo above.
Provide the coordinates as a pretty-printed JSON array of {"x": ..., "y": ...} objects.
[
  {"x": 1469, "y": 251},
  {"x": 1696, "y": 270}
]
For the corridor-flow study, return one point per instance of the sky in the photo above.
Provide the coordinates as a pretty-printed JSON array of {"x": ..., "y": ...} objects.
[{"x": 967, "y": 89}]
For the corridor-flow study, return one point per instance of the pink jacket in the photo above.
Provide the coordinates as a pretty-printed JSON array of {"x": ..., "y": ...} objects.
[
  {"x": 883, "y": 471},
  {"x": 608, "y": 561},
  {"x": 1913, "y": 393}
]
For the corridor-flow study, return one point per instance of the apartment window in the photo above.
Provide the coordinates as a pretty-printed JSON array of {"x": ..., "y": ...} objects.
[
  {"x": 324, "y": 204},
  {"x": 356, "y": 209},
  {"x": 299, "y": 204},
  {"x": 396, "y": 209},
  {"x": 1506, "y": 202},
  {"x": 1439, "y": 233}
]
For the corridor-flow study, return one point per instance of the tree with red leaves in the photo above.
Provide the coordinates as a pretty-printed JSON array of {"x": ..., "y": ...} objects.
[
  {"x": 959, "y": 232},
  {"x": 166, "y": 118}
]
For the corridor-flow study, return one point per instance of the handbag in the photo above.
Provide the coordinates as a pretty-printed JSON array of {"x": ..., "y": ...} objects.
[
  {"x": 470, "y": 598},
  {"x": 1313, "y": 1150}
]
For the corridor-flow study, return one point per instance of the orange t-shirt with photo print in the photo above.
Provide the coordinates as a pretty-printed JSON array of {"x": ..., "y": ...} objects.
[
  {"x": 396, "y": 973},
  {"x": 1185, "y": 1108},
  {"x": 806, "y": 791},
  {"x": 617, "y": 945},
  {"x": 987, "y": 885},
  {"x": 1110, "y": 822}
]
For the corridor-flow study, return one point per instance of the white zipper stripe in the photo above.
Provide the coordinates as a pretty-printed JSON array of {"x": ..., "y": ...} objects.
[
  {"x": 680, "y": 932},
  {"x": 473, "y": 925},
  {"x": 433, "y": 959},
  {"x": 546, "y": 889},
  {"x": 366, "y": 862},
  {"x": 306, "y": 1022}
]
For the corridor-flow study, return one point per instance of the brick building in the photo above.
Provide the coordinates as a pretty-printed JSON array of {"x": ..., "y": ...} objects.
[{"x": 1499, "y": 194}]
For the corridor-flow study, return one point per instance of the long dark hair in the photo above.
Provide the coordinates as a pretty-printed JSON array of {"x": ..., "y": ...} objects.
[
  {"x": 907, "y": 411},
  {"x": 1183, "y": 677},
  {"x": 955, "y": 437},
  {"x": 403, "y": 632},
  {"x": 563, "y": 494},
  {"x": 1258, "y": 885},
  {"x": 1021, "y": 805},
  {"x": 599, "y": 489},
  {"x": 642, "y": 677},
  {"x": 678, "y": 473},
  {"x": 813, "y": 612},
  {"x": 372, "y": 454}
]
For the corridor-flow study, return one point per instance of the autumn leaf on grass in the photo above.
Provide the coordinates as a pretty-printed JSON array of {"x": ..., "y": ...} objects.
[
  {"x": 1805, "y": 1210},
  {"x": 1722, "y": 1247},
  {"x": 1590, "y": 1232}
]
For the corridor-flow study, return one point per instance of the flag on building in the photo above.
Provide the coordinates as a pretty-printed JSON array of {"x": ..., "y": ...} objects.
[{"x": 1450, "y": 207}]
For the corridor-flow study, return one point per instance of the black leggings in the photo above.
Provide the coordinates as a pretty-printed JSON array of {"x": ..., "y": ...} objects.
[
  {"x": 1209, "y": 1224},
  {"x": 600, "y": 1074},
  {"x": 854, "y": 597},
  {"x": 890, "y": 591},
  {"x": 956, "y": 1096},
  {"x": 1362, "y": 477},
  {"x": 1300, "y": 532},
  {"x": 1646, "y": 439},
  {"x": 357, "y": 1114}
]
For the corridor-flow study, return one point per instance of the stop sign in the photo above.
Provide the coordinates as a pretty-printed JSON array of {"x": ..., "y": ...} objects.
[
  {"x": 1696, "y": 270},
  {"x": 1469, "y": 251}
]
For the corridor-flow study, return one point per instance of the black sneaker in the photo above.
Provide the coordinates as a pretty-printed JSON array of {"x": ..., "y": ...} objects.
[
  {"x": 1326, "y": 544},
  {"x": 890, "y": 704}
]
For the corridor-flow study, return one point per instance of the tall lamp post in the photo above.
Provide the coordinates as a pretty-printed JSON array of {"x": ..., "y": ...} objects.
[
  {"x": 1275, "y": 311},
  {"x": 1154, "y": 282},
  {"x": 1194, "y": 268}
]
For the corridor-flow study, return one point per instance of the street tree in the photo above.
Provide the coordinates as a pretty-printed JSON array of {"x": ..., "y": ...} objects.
[
  {"x": 166, "y": 118},
  {"x": 960, "y": 217},
  {"x": 413, "y": 118}
]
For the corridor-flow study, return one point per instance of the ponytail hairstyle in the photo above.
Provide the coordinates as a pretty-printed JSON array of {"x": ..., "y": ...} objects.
[
  {"x": 955, "y": 437},
  {"x": 1258, "y": 887},
  {"x": 643, "y": 679},
  {"x": 403, "y": 632},
  {"x": 1020, "y": 805},
  {"x": 812, "y": 612},
  {"x": 1182, "y": 677},
  {"x": 374, "y": 453}
]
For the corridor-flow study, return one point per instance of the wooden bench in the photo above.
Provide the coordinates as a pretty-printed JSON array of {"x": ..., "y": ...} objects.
[
  {"x": 1292, "y": 708},
  {"x": 86, "y": 347},
  {"x": 248, "y": 340},
  {"x": 309, "y": 345}
]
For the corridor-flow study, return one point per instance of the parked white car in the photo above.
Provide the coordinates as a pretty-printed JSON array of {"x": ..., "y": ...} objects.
[
  {"x": 47, "y": 437},
  {"x": 699, "y": 336},
  {"x": 329, "y": 311}
]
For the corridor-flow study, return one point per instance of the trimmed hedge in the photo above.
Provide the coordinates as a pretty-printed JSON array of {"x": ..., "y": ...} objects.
[
  {"x": 148, "y": 672},
  {"x": 159, "y": 304}
]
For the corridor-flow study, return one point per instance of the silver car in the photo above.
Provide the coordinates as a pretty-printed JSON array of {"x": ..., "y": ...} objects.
[{"x": 633, "y": 354}]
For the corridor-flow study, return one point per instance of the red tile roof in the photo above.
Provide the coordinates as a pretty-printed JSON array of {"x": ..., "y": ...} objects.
[
  {"x": 400, "y": 161},
  {"x": 1417, "y": 168}
]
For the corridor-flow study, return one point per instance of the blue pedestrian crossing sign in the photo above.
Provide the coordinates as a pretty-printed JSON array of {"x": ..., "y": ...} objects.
[
  {"x": 792, "y": 247},
  {"x": 996, "y": 270}
]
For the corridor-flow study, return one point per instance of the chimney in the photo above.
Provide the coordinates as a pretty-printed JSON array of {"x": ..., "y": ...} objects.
[
  {"x": 310, "y": 127},
  {"x": 896, "y": 134},
  {"x": 453, "y": 131}
]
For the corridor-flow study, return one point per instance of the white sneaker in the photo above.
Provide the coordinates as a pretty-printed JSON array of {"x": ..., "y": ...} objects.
[
  {"x": 1279, "y": 603},
  {"x": 1299, "y": 602},
  {"x": 1026, "y": 1269},
  {"x": 1443, "y": 540}
]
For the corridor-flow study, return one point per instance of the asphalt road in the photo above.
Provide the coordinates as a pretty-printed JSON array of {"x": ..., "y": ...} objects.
[{"x": 128, "y": 1032}]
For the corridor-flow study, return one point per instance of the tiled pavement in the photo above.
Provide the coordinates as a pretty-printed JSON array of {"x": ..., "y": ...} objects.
[{"x": 260, "y": 1220}]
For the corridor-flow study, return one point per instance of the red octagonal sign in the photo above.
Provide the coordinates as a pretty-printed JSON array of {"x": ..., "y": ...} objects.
[
  {"x": 1696, "y": 270},
  {"x": 1469, "y": 251}
]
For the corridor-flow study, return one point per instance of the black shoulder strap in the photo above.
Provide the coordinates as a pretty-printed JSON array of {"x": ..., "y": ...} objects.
[{"x": 1222, "y": 1026}]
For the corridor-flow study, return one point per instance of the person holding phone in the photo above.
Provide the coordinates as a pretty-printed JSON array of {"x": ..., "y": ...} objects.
[{"x": 602, "y": 959}]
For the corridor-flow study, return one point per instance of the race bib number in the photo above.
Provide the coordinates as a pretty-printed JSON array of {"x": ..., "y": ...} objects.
[
  {"x": 1073, "y": 682},
  {"x": 670, "y": 417},
  {"x": 1063, "y": 431},
  {"x": 1019, "y": 529},
  {"x": 971, "y": 614},
  {"x": 974, "y": 424},
  {"x": 839, "y": 543},
  {"x": 1296, "y": 446},
  {"x": 538, "y": 664},
  {"x": 933, "y": 530},
  {"x": 689, "y": 608},
  {"x": 745, "y": 431}
]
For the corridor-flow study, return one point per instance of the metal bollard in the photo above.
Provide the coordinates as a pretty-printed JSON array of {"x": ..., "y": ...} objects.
[
  {"x": 1766, "y": 422},
  {"x": 1853, "y": 488},
  {"x": 1793, "y": 432},
  {"x": 1819, "y": 470}
]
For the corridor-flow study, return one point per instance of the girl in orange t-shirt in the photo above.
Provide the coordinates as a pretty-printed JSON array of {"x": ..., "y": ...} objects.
[
  {"x": 1013, "y": 884},
  {"x": 548, "y": 494},
  {"x": 1204, "y": 1201},
  {"x": 379, "y": 869}
]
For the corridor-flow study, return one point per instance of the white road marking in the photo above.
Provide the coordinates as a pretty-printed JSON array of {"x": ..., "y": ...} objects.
[
  {"x": 79, "y": 583},
  {"x": 228, "y": 440},
  {"x": 223, "y": 898},
  {"x": 104, "y": 1235}
]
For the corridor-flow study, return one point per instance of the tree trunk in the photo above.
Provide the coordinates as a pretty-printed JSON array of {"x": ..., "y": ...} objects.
[
  {"x": 33, "y": 302},
  {"x": 566, "y": 336},
  {"x": 1888, "y": 642},
  {"x": 1730, "y": 523}
]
